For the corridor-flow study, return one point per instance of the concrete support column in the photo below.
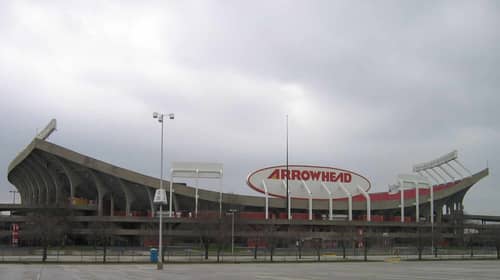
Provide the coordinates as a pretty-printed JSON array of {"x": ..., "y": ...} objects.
[
  {"x": 171, "y": 194},
  {"x": 58, "y": 196},
  {"x": 349, "y": 200},
  {"x": 439, "y": 213},
  {"x": 42, "y": 192},
  {"x": 432, "y": 204},
  {"x": 74, "y": 180},
  {"x": 23, "y": 190},
  {"x": 196, "y": 196},
  {"x": 330, "y": 201},
  {"x": 20, "y": 187},
  {"x": 266, "y": 199},
  {"x": 417, "y": 204},
  {"x": 129, "y": 196},
  {"x": 176, "y": 203},
  {"x": 29, "y": 186},
  {"x": 306, "y": 187},
  {"x": 368, "y": 203},
  {"x": 41, "y": 168},
  {"x": 151, "y": 195},
  {"x": 101, "y": 191},
  {"x": 67, "y": 190},
  {"x": 112, "y": 206},
  {"x": 289, "y": 210},
  {"x": 39, "y": 194},
  {"x": 402, "y": 204}
]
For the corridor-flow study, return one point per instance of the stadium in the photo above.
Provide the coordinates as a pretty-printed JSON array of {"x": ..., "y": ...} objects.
[{"x": 296, "y": 205}]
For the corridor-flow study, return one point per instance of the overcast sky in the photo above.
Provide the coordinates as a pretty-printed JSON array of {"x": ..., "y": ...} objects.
[{"x": 370, "y": 86}]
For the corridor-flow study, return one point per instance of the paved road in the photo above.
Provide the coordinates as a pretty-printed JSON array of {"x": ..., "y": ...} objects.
[{"x": 452, "y": 270}]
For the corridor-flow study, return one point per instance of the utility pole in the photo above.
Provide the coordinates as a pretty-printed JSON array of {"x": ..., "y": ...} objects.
[{"x": 287, "y": 173}]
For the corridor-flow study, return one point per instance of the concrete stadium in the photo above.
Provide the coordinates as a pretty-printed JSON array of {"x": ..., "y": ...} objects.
[{"x": 86, "y": 193}]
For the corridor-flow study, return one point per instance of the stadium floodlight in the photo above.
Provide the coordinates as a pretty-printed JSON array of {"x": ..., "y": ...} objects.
[
  {"x": 160, "y": 197},
  {"x": 47, "y": 131},
  {"x": 437, "y": 162}
]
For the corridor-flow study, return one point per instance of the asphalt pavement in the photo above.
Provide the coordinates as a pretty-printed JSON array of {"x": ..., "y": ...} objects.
[{"x": 278, "y": 271}]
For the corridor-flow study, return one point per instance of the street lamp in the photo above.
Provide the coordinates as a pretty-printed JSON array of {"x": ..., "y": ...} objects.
[
  {"x": 160, "y": 195},
  {"x": 231, "y": 212}
]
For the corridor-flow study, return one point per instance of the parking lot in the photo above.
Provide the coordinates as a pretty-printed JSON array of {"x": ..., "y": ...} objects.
[{"x": 280, "y": 271}]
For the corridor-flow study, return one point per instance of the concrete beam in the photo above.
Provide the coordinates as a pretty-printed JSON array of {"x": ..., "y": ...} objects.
[
  {"x": 66, "y": 189},
  {"x": 21, "y": 189},
  {"x": 52, "y": 189},
  {"x": 74, "y": 180},
  {"x": 22, "y": 177},
  {"x": 61, "y": 197},
  {"x": 129, "y": 196},
  {"x": 150, "y": 192},
  {"x": 39, "y": 194},
  {"x": 102, "y": 190},
  {"x": 41, "y": 177}
]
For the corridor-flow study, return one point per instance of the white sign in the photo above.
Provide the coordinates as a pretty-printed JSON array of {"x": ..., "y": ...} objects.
[
  {"x": 304, "y": 181},
  {"x": 162, "y": 213},
  {"x": 160, "y": 196}
]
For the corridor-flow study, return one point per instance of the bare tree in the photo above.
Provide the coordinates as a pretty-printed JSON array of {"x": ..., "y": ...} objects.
[
  {"x": 101, "y": 233},
  {"x": 299, "y": 243},
  {"x": 419, "y": 243},
  {"x": 471, "y": 245},
  {"x": 208, "y": 226},
  {"x": 366, "y": 234},
  {"x": 496, "y": 235},
  {"x": 222, "y": 236},
  {"x": 342, "y": 241},
  {"x": 316, "y": 243},
  {"x": 47, "y": 227},
  {"x": 436, "y": 239},
  {"x": 271, "y": 239}
]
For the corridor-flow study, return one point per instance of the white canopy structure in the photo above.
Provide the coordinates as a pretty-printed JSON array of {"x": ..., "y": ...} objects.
[
  {"x": 408, "y": 182},
  {"x": 311, "y": 183},
  {"x": 443, "y": 164},
  {"x": 196, "y": 170}
]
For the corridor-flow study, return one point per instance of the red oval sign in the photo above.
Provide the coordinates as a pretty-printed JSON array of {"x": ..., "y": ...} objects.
[{"x": 306, "y": 181}]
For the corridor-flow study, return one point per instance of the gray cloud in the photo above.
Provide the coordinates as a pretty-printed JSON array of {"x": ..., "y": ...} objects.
[{"x": 373, "y": 87}]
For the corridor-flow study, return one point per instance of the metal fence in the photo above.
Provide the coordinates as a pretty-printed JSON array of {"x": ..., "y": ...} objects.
[{"x": 196, "y": 254}]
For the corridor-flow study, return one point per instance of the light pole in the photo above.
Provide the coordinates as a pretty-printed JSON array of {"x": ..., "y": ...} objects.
[
  {"x": 162, "y": 195},
  {"x": 231, "y": 212},
  {"x": 287, "y": 175},
  {"x": 13, "y": 196}
]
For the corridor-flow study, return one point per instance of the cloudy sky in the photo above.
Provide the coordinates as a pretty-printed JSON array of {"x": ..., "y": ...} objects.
[{"x": 373, "y": 87}]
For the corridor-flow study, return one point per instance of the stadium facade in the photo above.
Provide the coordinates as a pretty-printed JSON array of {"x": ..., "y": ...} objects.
[{"x": 91, "y": 191}]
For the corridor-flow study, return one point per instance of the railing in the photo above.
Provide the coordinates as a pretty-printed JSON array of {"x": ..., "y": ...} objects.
[{"x": 196, "y": 254}]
